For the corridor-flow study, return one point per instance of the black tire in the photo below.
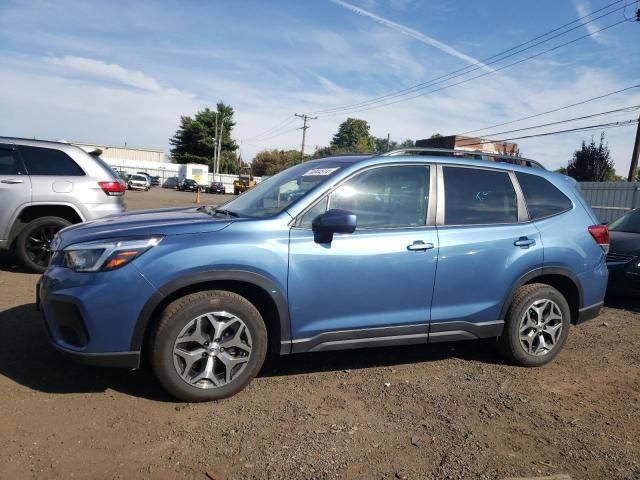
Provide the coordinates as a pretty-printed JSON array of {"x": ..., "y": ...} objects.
[
  {"x": 235, "y": 191},
  {"x": 32, "y": 245},
  {"x": 509, "y": 343},
  {"x": 177, "y": 316}
]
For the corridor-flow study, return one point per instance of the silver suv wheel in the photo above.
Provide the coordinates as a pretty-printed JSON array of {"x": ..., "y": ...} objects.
[
  {"x": 212, "y": 350},
  {"x": 540, "y": 327}
]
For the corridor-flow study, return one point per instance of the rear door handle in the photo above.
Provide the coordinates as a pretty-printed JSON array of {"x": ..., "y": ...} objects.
[
  {"x": 12, "y": 181},
  {"x": 524, "y": 242},
  {"x": 419, "y": 246}
]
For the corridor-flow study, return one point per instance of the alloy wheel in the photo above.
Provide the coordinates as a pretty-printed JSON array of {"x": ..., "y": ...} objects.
[
  {"x": 38, "y": 244},
  {"x": 541, "y": 327},
  {"x": 212, "y": 350}
]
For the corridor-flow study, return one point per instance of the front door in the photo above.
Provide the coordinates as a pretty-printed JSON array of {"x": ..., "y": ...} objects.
[{"x": 376, "y": 282}]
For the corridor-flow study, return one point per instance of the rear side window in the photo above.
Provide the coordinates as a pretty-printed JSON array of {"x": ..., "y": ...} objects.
[
  {"x": 478, "y": 197},
  {"x": 9, "y": 163},
  {"x": 48, "y": 161},
  {"x": 542, "y": 197}
]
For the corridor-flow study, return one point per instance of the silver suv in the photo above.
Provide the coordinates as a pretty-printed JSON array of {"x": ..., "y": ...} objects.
[{"x": 46, "y": 186}]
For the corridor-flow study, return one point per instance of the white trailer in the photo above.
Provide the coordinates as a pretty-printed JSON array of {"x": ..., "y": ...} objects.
[{"x": 194, "y": 171}]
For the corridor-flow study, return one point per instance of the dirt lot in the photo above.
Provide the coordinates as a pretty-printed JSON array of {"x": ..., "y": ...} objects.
[{"x": 443, "y": 411}]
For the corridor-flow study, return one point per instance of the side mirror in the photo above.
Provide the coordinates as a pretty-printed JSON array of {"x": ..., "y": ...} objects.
[{"x": 333, "y": 221}]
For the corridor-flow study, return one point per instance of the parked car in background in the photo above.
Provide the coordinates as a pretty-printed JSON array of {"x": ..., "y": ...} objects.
[
  {"x": 341, "y": 252},
  {"x": 217, "y": 187},
  {"x": 188, "y": 185},
  {"x": 155, "y": 181},
  {"x": 46, "y": 186},
  {"x": 146, "y": 176},
  {"x": 138, "y": 182},
  {"x": 171, "y": 182},
  {"x": 623, "y": 259}
]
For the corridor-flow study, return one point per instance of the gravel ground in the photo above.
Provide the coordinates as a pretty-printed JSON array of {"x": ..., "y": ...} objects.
[{"x": 443, "y": 411}]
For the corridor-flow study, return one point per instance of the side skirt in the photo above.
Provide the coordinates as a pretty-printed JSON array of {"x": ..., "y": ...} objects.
[{"x": 399, "y": 335}]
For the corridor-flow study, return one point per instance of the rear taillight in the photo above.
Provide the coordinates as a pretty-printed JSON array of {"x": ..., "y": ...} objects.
[
  {"x": 600, "y": 234},
  {"x": 113, "y": 188}
]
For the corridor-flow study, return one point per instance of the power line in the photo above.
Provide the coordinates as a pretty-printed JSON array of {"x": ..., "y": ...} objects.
[
  {"x": 480, "y": 64},
  {"x": 278, "y": 126},
  {"x": 560, "y": 122},
  {"x": 481, "y": 75},
  {"x": 624, "y": 123},
  {"x": 582, "y": 102}
]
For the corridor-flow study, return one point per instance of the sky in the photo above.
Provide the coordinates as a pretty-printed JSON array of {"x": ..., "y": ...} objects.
[{"x": 115, "y": 72}]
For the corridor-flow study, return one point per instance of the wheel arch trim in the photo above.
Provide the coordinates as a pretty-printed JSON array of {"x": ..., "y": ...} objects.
[
  {"x": 541, "y": 272},
  {"x": 278, "y": 296}
]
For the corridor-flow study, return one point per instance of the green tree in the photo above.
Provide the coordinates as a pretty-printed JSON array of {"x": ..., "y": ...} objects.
[
  {"x": 561, "y": 170},
  {"x": 353, "y": 136},
  {"x": 592, "y": 163},
  {"x": 270, "y": 162},
  {"x": 381, "y": 144},
  {"x": 193, "y": 142}
]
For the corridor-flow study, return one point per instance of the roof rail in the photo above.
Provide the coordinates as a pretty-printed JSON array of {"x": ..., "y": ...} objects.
[{"x": 495, "y": 157}]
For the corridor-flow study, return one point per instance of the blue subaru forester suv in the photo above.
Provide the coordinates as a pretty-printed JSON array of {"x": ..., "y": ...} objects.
[{"x": 411, "y": 247}]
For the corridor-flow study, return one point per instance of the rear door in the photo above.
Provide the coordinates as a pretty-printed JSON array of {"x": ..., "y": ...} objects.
[
  {"x": 15, "y": 189},
  {"x": 55, "y": 177},
  {"x": 486, "y": 245},
  {"x": 376, "y": 282}
]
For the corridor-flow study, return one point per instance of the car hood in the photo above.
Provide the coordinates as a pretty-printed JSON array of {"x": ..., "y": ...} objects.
[
  {"x": 166, "y": 221},
  {"x": 624, "y": 243}
]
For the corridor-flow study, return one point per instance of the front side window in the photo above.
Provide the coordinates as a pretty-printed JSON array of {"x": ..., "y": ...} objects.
[
  {"x": 9, "y": 163},
  {"x": 386, "y": 197},
  {"x": 478, "y": 197},
  {"x": 543, "y": 199},
  {"x": 48, "y": 161}
]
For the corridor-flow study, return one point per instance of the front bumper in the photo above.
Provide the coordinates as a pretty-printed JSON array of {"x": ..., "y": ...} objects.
[
  {"x": 92, "y": 317},
  {"x": 624, "y": 281}
]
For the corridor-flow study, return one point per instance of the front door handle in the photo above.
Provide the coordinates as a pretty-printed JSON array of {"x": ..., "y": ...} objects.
[
  {"x": 12, "y": 181},
  {"x": 419, "y": 246},
  {"x": 524, "y": 242}
]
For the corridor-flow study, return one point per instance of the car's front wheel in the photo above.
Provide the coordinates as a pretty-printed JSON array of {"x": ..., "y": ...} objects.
[
  {"x": 33, "y": 245},
  {"x": 208, "y": 345},
  {"x": 536, "y": 327}
]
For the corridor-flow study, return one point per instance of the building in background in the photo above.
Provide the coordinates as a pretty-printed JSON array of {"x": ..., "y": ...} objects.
[
  {"x": 459, "y": 142},
  {"x": 110, "y": 152}
]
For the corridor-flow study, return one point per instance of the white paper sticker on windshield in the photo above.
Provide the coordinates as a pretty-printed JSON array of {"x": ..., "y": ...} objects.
[{"x": 320, "y": 172}]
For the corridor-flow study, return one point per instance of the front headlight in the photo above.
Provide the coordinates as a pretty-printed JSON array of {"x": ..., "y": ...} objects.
[{"x": 106, "y": 255}]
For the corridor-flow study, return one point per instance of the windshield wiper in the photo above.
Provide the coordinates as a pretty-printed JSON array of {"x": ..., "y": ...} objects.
[
  {"x": 217, "y": 211},
  {"x": 228, "y": 213}
]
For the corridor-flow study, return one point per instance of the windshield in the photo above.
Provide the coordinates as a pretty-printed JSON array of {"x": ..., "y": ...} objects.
[
  {"x": 274, "y": 195},
  {"x": 138, "y": 177},
  {"x": 629, "y": 222}
]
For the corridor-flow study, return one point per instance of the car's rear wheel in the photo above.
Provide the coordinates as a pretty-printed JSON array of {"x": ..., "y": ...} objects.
[
  {"x": 208, "y": 346},
  {"x": 536, "y": 327},
  {"x": 33, "y": 244}
]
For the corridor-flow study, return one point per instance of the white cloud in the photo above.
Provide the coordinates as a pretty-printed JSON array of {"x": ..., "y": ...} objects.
[
  {"x": 108, "y": 71},
  {"x": 432, "y": 42},
  {"x": 583, "y": 10}
]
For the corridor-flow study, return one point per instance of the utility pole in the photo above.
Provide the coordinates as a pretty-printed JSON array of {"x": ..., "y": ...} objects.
[
  {"x": 215, "y": 144},
  {"x": 388, "y": 140},
  {"x": 220, "y": 144},
  {"x": 633, "y": 168},
  {"x": 304, "y": 127}
]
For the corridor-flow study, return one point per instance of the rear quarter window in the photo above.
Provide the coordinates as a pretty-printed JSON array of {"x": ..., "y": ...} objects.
[
  {"x": 542, "y": 197},
  {"x": 48, "y": 161}
]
